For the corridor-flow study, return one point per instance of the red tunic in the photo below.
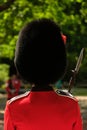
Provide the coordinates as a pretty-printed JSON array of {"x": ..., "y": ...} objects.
[{"x": 44, "y": 110}]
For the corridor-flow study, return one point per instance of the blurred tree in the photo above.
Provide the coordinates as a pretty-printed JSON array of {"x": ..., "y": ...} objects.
[{"x": 6, "y": 5}]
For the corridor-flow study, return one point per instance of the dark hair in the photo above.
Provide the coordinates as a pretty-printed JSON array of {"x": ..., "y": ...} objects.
[
  {"x": 40, "y": 56},
  {"x": 12, "y": 70}
]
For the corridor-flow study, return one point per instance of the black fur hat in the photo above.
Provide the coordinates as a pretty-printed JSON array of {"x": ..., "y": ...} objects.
[{"x": 40, "y": 56}]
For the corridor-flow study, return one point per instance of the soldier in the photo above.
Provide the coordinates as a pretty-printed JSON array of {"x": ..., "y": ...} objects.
[
  {"x": 40, "y": 59},
  {"x": 13, "y": 85}
]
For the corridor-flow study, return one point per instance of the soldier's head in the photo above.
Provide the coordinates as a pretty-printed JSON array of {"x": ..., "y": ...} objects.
[{"x": 40, "y": 56}]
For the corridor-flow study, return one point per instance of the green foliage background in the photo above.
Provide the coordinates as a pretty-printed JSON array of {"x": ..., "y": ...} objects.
[{"x": 71, "y": 15}]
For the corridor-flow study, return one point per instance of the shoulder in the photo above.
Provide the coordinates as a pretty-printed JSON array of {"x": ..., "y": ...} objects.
[
  {"x": 66, "y": 94},
  {"x": 16, "y": 98}
]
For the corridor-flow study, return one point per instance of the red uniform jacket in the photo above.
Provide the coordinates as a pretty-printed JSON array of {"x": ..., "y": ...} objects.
[{"x": 43, "y": 110}]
